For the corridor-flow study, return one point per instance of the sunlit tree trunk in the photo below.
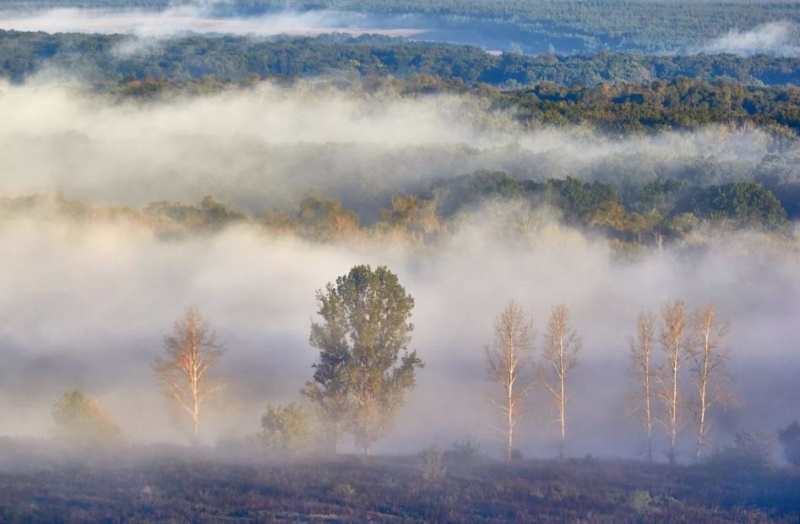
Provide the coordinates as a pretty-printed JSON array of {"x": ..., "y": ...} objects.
[
  {"x": 191, "y": 352},
  {"x": 510, "y": 365},
  {"x": 708, "y": 373},
  {"x": 561, "y": 346},
  {"x": 675, "y": 345},
  {"x": 641, "y": 369}
]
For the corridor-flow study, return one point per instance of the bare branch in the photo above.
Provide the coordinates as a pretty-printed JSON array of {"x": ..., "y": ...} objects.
[{"x": 191, "y": 352}]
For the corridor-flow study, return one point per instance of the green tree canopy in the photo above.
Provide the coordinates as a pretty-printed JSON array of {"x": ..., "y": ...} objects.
[
  {"x": 364, "y": 368},
  {"x": 285, "y": 429}
]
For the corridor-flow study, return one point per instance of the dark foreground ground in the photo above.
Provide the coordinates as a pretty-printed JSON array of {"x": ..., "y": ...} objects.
[{"x": 182, "y": 486}]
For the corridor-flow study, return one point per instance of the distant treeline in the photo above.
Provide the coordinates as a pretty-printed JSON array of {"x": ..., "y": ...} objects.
[
  {"x": 641, "y": 24},
  {"x": 614, "y": 109},
  {"x": 664, "y": 211},
  {"x": 109, "y": 59}
]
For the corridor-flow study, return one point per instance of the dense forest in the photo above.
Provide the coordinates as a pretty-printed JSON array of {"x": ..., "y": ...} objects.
[
  {"x": 110, "y": 59},
  {"x": 631, "y": 26}
]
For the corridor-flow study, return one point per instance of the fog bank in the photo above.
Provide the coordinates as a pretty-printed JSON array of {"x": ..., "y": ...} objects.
[
  {"x": 86, "y": 305},
  {"x": 270, "y": 147},
  {"x": 775, "y": 38},
  {"x": 182, "y": 20}
]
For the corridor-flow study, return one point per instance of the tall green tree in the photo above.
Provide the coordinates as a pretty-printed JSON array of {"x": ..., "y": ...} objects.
[{"x": 364, "y": 367}]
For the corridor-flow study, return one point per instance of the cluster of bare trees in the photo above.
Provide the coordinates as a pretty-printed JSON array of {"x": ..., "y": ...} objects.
[
  {"x": 678, "y": 390},
  {"x": 677, "y": 360},
  {"x": 511, "y": 364}
]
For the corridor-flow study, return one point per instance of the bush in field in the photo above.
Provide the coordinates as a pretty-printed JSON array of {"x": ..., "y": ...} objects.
[
  {"x": 430, "y": 464},
  {"x": 82, "y": 420},
  {"x": 751, "y": 452},
  {"x": 286, "y": 429},
  {"x": 466, "y": 451},
  {"x": 789, "y": 438}
]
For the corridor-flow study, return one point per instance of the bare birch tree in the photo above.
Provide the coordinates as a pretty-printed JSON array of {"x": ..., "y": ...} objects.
[
  {"x": 561, "y": 346},
  {"x": 708, "y": 372},
  {"x": 674, "y": 340},
  {"x": 510, "y": 365},
  {"x": 642, "y": 370},
  {"x": 191, "y": 352}
]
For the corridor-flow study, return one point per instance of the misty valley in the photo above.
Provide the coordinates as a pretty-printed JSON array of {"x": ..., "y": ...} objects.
[{"x": 388, "y": 260}]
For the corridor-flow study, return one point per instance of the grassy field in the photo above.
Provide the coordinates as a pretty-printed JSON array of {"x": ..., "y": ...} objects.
[{"x": 181, "y": 485}]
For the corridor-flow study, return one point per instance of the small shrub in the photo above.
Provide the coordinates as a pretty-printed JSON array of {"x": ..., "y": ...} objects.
[
  {"x": 343, "y": 491},
  {"x": 641, "y": 501},
  {"x": 286, "y": 429},
  {"x": 789, "y": 438},
  {"x": 81, "y": 420},
  {"x": 467, "y": 450},
  {"x": 750, "y": 453},
  {"x": 430, "y": 464}
]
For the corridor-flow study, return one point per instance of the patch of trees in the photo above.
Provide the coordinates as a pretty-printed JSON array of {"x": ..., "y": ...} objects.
[
  {"x": 677, "y": 361},
  {"x": 82, "y": 421},
  {"x": 661, "y": 210},
  {"x": 596, "y": 24},
  {"x": 658, "y": 212},
  {"x": 205, "y": 61},
  {"x": 692, "y": 350}
]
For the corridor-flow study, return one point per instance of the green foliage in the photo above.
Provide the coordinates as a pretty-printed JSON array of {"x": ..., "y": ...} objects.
[
  {"x": 746, "y": 203},
  {"x": 641, "y": 501},
  {"x": 343, "y": 491},
  {"x": 321, "y": 218},
  {"x": 466, "y": 451},
  {"x": 204, "y": 64},
  {"x": 430, "y": 465},
  {"x": 82, "y": 420},
  {"x": 286, "y": 430},
  {"x": 751, "y": 452},
  {"x": 364, "y": 367},
  {"x": 574, "y": 25},
  {"x": 210, "y": 216},
  {"x": 412, "y": 216},
  {"x": 789, "y": 438}
]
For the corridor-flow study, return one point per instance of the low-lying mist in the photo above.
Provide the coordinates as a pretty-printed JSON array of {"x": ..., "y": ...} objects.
[
  {"x": 269, "y": 147},
  {"x": 182, "y": 20},
  {"x": 775, "y": 38},
  {"x": 86, "y": 305}
]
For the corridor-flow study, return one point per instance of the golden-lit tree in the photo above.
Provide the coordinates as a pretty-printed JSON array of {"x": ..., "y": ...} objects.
[
  {"x": 561, "y": 346},
  {"x": 510, "y": 365},
  {"x": 676, "y": 345},
  {"x": 642, "y": 370},
  {"x": 185, "y": 372},
  {"x": 708, "y": 371}
]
